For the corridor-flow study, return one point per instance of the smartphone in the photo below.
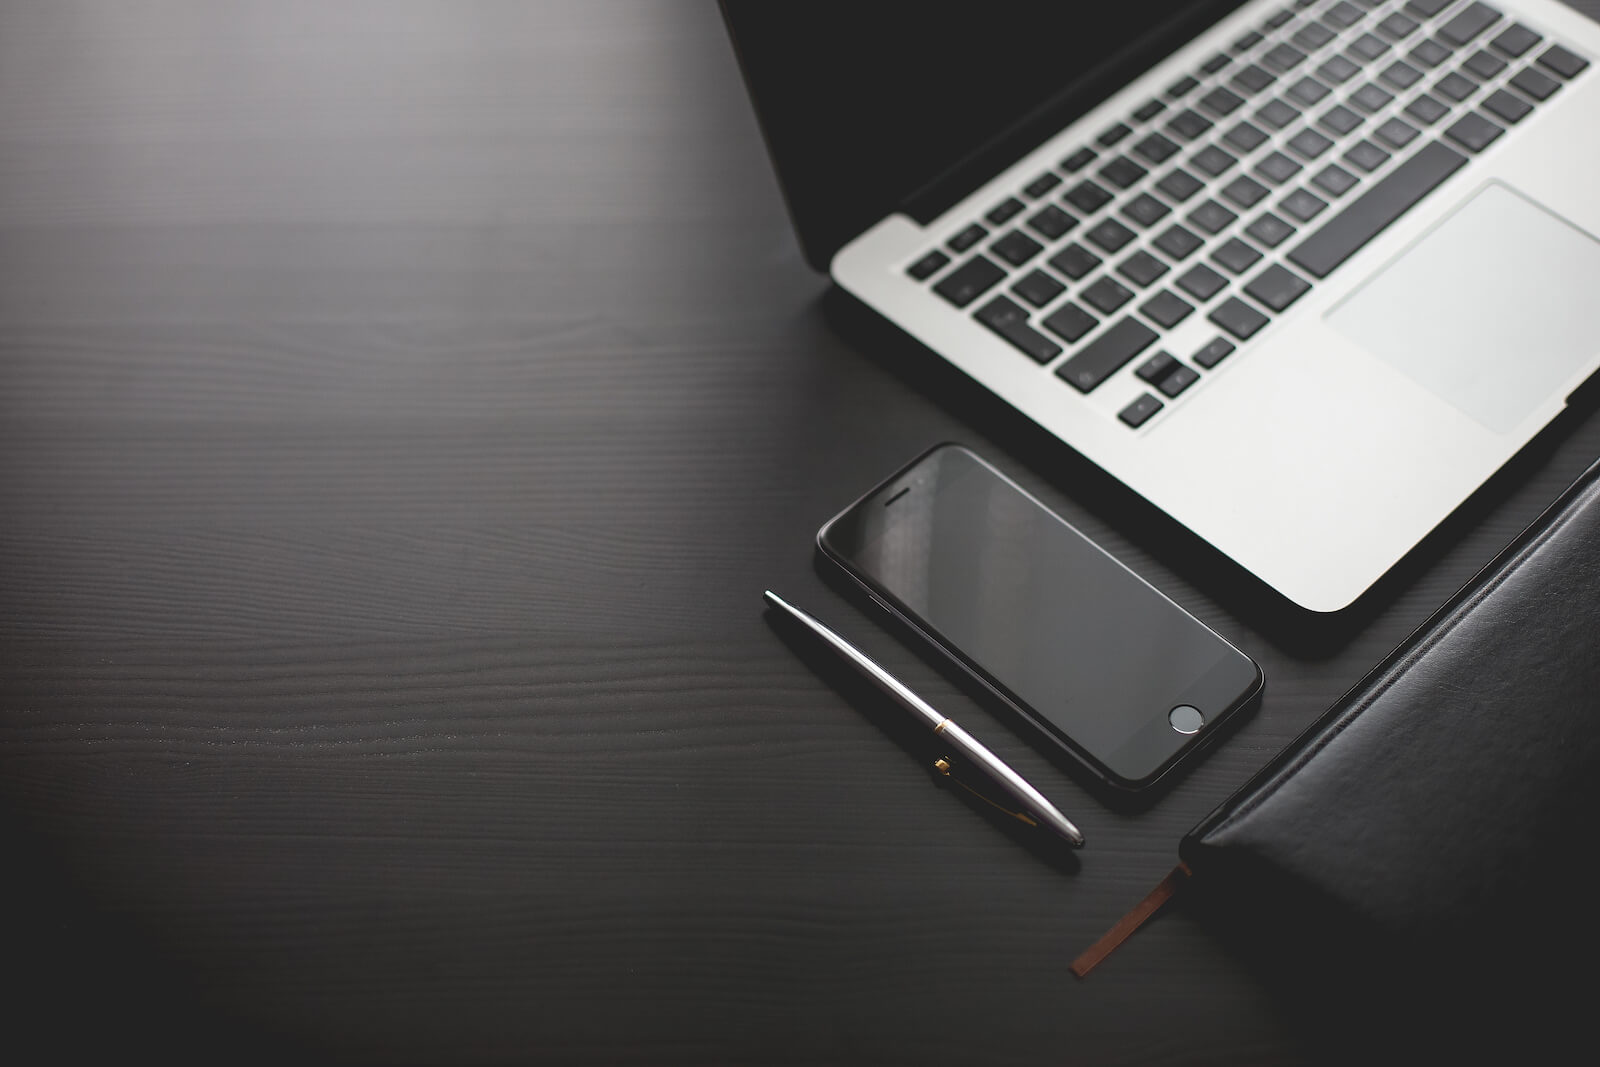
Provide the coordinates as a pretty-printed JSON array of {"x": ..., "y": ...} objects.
[{"x": 1116, "y": 675}]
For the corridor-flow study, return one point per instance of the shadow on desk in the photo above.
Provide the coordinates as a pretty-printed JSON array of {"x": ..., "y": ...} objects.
[{"x": 1303, "y": 634}]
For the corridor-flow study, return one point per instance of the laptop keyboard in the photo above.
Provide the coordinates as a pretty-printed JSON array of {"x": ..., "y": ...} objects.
[{"x": 1244, "y": 184}]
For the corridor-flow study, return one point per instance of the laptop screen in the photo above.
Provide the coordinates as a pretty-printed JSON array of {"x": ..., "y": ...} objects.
[{"x": 871, "y": 107}]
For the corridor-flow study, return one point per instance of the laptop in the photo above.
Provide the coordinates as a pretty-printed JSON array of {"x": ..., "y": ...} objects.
[{"x": 1302, "y": 273}]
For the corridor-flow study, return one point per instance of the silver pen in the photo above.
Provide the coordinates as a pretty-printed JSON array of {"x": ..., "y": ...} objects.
[{"x": 1032, "y": 801}]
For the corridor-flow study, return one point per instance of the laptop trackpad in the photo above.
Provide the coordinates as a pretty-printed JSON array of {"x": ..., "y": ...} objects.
[{"x": 1492, "y": 311}]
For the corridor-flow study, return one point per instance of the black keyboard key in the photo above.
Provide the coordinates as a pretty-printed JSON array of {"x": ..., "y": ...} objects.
[
  {"x": 1400, "y": 74},
  {"x": 1016, "y": 248},
  {"x": 1279, "y": 18},
  {"x": 1537, "y": 85},
  {"x": 1221, "y": 102},
  {"x": 1238, "y": 318},
  {"x": 1429, "y": 53},
  {"x": 1277, "y": 288},
  {"x": 1156, "y": 148},
  {"x": 1269, "y": 230},
  {"x": 1122, "y": 172},
  {"x": 1246, "y": 192},
  {"x": 1251, "y": 79},
  {"x": 1106, "y": 354},
  {"x": 1180, "y": 185},
  {"x": 1157, "y": 367},
  {"x": 1145, "y": 210},
  {"x": 1038, "y": 288},
  {"x": 1308, "y": 91},
  {"x": 1472, "y": 21},
  {"x": 1340, "y": 119},
  {"x": 1106, "y": 294},
  {"x": 1212, "y": 217},
  {"x": 1070, "y": 322},
  {"x": 1180, "y": 379},
  {"x": 1235, "y": 255},
  {"x": 1188, "y": 124},
  {"x": 962, "y": 285},
  {"x": 1247, "y": 42},
  {"x": 1004, "y": 210},
  {"x": 1010, "y": 321},
  {"x": 1149, "y": 110},
  {"x": 1426, "y": 9},
  {"x": 1215, "y": 352},
  {"x": 1166, "y": 309},
  {"x": 1337, "y": 70},
  {"x": 1426, "y": 110},
  {"x": 1079, "y": 159},
  {"x": 1309, "y": 144},
  {"x": 1215, "y": 63},
  {"x": 1515, "y": 41},
  {"x": 1042, "y": 184},
  {"x": 1111, "y": 135},
  {"x": 1473, "y": 131},
  {"x": 1087, "y": 197},
  {"x": 1074, "y": 261},
  {"x": 1397, "y": 133},
  {"x": 1312, "y": 36},
  {"x": 1507, "y": 106},
  {"x": 1245, "y": 137},
  {"x": 967, "y": 237},
  {"x": 1051, "y": 222},
  {"x": 1178, "y": 242},
  {"x": 1277, "y": 168},
  {"x": 1371, "y": 99},
  {"x": 1278, "y": 114},
  {"x": 1201, "y": 282},
  {"x": 1211, "y": 160},
  {"x": 1181, "y": 87},
  {"x": 1366, "y": 155},
  {"x": 1366, "y": 48},
  {"x": 1110, "y": 234},
  {"x": 1138, "y": 413},
  {"x": 1397, "y": 26},
  {"x": 1483, "y": 65},
  {"x": 1302, "y": 205},
  {"x": 1334, "y": 180},
  {"x": 1141, "y": 269},
  {"x": 1343, "y": 15},
  {"x": 928, "y": 265},
  {"x": 1373, "y": 212},
  {"x": 1283, "y": 57},
  {"x": 1563, "y": 62}
]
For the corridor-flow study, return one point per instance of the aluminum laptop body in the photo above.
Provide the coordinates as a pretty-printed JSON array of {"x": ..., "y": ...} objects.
[{"x": 1368, "y": 305}]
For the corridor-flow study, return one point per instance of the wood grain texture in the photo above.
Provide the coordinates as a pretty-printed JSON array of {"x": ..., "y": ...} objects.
[{"x": 402, "y": 407}]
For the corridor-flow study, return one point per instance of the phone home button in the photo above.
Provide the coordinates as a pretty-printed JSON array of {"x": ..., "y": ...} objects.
[{"x": 1185, "y": 719}]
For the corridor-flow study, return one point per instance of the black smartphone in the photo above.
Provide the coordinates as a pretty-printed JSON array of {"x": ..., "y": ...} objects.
[{"x": 1109, "y": 669}]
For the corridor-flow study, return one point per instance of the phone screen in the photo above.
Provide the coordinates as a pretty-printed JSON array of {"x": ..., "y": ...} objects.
[{"x": 1081, "y": 644}]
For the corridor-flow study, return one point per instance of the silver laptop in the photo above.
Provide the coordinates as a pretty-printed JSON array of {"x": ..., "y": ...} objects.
[{"x": 1303, "y": 274}]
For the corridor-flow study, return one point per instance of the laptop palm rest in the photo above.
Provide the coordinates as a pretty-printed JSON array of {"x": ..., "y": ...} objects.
[{"x": 1492, "y": 310}]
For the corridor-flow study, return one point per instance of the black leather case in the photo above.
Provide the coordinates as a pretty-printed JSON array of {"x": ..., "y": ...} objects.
[{"x": 1440, "y": 822}]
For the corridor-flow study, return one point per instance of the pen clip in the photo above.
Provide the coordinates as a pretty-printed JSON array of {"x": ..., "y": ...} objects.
[{"x": 946, "y": 768}]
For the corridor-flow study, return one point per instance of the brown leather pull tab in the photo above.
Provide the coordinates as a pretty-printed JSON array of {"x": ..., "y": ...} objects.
[{"x": 1141, "y": 913}]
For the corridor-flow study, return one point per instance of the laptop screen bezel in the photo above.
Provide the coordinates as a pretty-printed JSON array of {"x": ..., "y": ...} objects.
[{"x": 823, "y": 225}]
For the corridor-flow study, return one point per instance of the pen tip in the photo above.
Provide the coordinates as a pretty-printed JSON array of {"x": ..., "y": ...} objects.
[{"x": 772, "y": 598}]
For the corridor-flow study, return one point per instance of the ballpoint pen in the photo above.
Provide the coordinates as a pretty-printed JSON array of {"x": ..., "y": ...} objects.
[{"x": 1038, "y": 809}]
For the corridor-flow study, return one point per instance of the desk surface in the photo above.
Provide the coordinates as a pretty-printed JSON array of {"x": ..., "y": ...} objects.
[{"x": 404, "y": 405}]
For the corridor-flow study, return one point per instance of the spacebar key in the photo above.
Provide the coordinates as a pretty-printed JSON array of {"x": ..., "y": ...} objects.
[
  {"x": 1347, "y": 232},
  {"x": 1106, "y": 353}
]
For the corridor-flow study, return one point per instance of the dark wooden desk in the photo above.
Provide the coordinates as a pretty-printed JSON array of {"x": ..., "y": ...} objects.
[{"x": 402, "y": 407}]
